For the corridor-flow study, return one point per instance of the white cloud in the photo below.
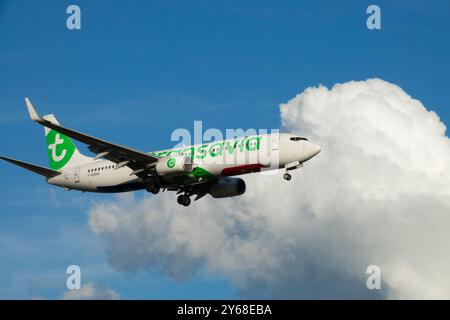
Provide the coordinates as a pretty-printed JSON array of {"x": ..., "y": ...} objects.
[
  {"x": 378, "y": 193},
  {"x": 90, "y": 291}
]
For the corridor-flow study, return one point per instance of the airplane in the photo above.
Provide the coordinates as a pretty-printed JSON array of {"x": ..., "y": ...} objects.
[{"x": 192, "y": 170}]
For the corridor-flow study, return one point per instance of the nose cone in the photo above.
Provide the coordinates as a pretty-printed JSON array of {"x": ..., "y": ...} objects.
[
  {"x": 315, "y": 149},
  {"x": 311, "y": 150}
]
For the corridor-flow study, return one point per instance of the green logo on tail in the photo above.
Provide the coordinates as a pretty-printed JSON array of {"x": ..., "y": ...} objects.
[{"x": 60, "y": 149}]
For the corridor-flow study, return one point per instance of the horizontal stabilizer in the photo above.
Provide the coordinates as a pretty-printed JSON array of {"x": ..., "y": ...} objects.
[{"x": 48, "y": 173}]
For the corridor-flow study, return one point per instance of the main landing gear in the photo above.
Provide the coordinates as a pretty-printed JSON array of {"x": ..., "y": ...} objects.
[
  {"x": 153, "y": 189},
  {"x": 153, "y": 185},
  {"x": 184, "y": 200}
]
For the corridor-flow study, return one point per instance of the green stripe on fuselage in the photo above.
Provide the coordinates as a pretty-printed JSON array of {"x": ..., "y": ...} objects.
[
  {"x": 191, "y": 177},
  {"x": 200, "y": 173}
]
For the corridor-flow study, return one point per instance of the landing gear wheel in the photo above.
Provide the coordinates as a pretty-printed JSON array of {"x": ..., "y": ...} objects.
[
  {"x": 153, "y": 185},
  {"x": 184, "y": 200},
  {"x": 287, "y": 176},
  {"x": 153, "y": 190}
]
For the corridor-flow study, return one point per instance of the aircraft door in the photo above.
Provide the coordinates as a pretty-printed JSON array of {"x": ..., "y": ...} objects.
[
  {"x": 275, "y": 141},
  {"x": 76, "y": 175}
]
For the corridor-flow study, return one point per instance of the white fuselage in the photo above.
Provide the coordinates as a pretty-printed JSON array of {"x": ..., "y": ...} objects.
[{"x": 219, "y": 158}]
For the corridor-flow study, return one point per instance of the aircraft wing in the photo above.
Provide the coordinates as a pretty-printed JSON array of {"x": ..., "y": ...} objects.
[{"x": 122, "y": 156}]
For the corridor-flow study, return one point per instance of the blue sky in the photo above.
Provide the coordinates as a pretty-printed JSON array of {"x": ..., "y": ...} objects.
[{"x": 137, "y": 70}]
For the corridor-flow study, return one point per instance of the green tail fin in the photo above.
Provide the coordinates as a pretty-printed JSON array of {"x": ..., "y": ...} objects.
[{"x": 62, "y": 152}]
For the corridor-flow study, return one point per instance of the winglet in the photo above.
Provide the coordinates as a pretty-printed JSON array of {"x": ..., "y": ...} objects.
[{"x": 33, "y": 114}]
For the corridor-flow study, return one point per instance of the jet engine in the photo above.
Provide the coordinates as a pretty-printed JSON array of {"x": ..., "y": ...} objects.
[
  {"x": 174, "y": 165},
  {"x": 227, "y": 187}
]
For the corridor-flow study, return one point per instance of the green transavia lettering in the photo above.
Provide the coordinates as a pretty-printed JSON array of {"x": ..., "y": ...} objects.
[{"x": 215, "y": 149}]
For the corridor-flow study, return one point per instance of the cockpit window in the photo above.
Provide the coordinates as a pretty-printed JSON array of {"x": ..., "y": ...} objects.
[{"x": 298, "y": 138}]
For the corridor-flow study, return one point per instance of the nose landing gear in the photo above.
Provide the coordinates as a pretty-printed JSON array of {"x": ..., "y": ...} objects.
[
  {"x": 184, "y": 200},
  {"x": 291, "y": 166}
]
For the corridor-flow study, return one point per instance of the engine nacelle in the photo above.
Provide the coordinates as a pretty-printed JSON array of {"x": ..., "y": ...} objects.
[
  {"x": 227, "y": 187},
  {"x": 174, "y": 165}
]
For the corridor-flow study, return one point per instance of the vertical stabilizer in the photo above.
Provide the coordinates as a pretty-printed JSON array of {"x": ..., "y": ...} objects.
[{"x": 62, "y": 152}]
